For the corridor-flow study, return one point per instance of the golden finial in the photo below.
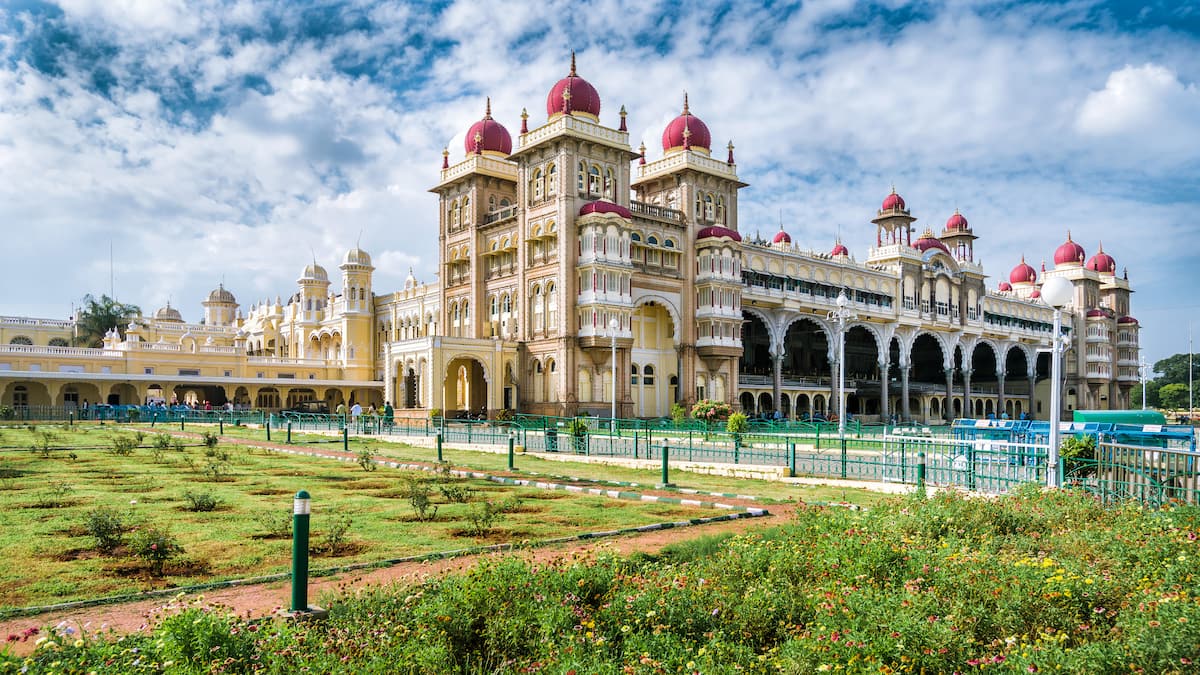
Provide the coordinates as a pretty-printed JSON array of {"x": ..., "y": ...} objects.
[
  {"x": 622, "y": 113},
  {"x": 572, "y": 73},
  {"x": 1068, "y": 235},
  {"x": 685, "y": 104},
  {"x": 487, "y": 113}
]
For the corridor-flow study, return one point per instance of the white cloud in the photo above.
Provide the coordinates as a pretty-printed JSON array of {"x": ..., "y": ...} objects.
[{"x": 1147, "y": 110}]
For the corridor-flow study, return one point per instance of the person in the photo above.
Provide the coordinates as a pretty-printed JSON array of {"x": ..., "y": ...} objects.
[
  {"x": 777, "y": 416},
  {"x": 355, "y": 412},
  {"x": 389, "y": 413},
  {"x": 371, "y": 410},
  {"x": 341, "y": 410},
  {"x": 1004, "y": 415},
  {"x": 1024, "y": 415},
  {"x": 85, "y": 409}
]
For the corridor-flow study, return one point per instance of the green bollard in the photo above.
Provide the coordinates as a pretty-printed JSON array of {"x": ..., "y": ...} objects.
[
  {"x": 289, "y": 433},
  {"x": 666, "y": 469},
  {"x": 439, "y": 446},
  {"x": 791, "y": 450},
  {"x": 181, "y": 423},
  {"x": 300, "y": 514},
  {"x": 511, "y": 458},
  {"x": 345, "y": 439},
  {"x": 268, "y": 430},
  {"x": 71, "y": 419},
  {"x": 220, "y": 427},
  {"x": 921, "y": 473}
]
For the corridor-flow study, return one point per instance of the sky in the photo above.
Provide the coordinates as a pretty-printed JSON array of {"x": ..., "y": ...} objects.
[{"x": 230, "y": 142}]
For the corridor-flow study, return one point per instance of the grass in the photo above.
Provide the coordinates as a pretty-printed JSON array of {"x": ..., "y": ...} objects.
[{"x": 46, "y": 496}]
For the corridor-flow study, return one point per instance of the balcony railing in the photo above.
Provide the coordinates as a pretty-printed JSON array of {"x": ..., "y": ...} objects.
[{"x": 657, "y": 212}]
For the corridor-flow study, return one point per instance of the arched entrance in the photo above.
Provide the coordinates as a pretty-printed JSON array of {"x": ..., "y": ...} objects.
[
  {"x": 806, "y": 350},
  {"x": 747, "y": 402},
  {"x": 653, "y": 355},
  {"x": 464, "y": 390},
  {"x": 928, "y": 372},
  {"x": 862, "y": 372},
  {"x": 756, "y": 347}
]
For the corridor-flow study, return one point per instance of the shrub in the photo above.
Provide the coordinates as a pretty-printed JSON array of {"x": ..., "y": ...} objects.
[
  {"x": 481, "y": 516},
  {"x": 711, "y": 411},
  {"x": 198, "y": 637},
  {"x": 107, "y": 527},
  {"x": 139, "y": 436},
  {"x": 216, "y": 453},
  {"x": 335, "y": 540},
  {"x": 211, "y": 440},
  {"x": 366, "y": 459},
  {"x": 54, "y": 496},
  {"x": 43, "y": 443},
  {"x": 123, "y": 446},
  {"x": 737, "y": 423},
  {"x": 201, "y": 501},
  {"x": 418, "y": 492},
  {"x": 162, "y": 441},
  {"x": 504, "y": 415},
  {"x": 6, "y": 412},
  {"x": 1078, "y": 455},
  {"x": 134, "y": 414},
  {"x": 577, "y": 427},
  {"x": 678, "y": 413},
  {"x": 217, "y": 470},
  {"x": 459, "y": 494},
  {"x": 155, "y": 546},
  {"x": 435, "y": 413},
  {"x": 276, "y": 522}
]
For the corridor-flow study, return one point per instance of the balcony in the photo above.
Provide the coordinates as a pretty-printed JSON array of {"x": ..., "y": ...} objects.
[
  {"x": 500, "y": 214},
  {"x": 656, "y": 212}
]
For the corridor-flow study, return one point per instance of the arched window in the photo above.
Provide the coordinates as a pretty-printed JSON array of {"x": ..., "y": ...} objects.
[
  {"x": 709, "y": 213},
  {"x": 504, "y": 202},
  {"x": 536, "y": 186},
  {"x": 610, "y": 184},
  {"x": 551, "y": 305},
  {"x": 495, "y": 308},
  {"x": 506, "y": 304},
  {"x": 492, "y": 203},
  {"x": 582, "y": 185},
  {"x": 58, "y": 342},
  {"x": 552, "y": 180},
  {"x": 454, "y": 214},
  {"x": 466, "y": 211},
  {"x": 669, "y": 244},
  {"x": 635, "y": 237},
  {"x": 633, "y": 374},
  {"x": 648, "y": 375},
  {"x": 20, "y": 340},
  {"x": 699, "y": 205},
  {"x": 652, "y": 240},
  {"x": 721, "y": 210},
  {"x": 595, "y": 188}
]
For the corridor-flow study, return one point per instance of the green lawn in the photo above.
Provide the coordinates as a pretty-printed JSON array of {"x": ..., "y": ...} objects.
[{"x": 47, "y": 496}]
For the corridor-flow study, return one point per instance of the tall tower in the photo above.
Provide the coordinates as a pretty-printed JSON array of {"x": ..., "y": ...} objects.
[
  {"x": 220, "y": 309},
  {"x": 893, "y": 222},
  {"x": 358, "y": 308}
]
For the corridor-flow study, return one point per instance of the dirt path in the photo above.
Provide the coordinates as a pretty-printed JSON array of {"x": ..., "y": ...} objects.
[{"x": 264, "y": 599}]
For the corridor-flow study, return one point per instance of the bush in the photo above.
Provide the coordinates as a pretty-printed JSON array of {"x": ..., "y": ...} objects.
[
  {"x": 366, "y": 459},
  {"x": 737, "y": 423},
  {"x": 276, "y": 522},
  {"x": 155, "y": 546},
  {"x": 336, "y": 539},
  {"x": 199, "y": 637},
  {"x": 459, "y": 494},
  {"x": 678, "y": 413},
  {"x": 711, "y": 411},
  {"x": 211, "y": 440},
  {"x": 217, "y": 470},
  {"x": 1078, "y": 455},
  {"x": 107, "y": 527},
  {"x": 201, "y": 501},
  {"x": 418, "y": 492},
  {"x": 504, "y": 415},
  {"x": 123, "y": 446},
  {"x": 435, "y": 413},
  {"x": 577, "y": 427},
  {"x": 134, "y": 415},
  {"x": 481, "y": 516},
  {"x": 54, "y": 496}
]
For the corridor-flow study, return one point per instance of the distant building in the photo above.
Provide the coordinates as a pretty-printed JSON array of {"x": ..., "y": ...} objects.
[{"x": 541, "y": 246}]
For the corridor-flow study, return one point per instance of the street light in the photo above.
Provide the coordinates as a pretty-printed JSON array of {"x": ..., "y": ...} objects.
[
  {"x": 1056, "y": 292},
  {"x": 613, "y": 327},
  {"x": 839, "y": 317},
  {"x": 1142, "y": 368}
]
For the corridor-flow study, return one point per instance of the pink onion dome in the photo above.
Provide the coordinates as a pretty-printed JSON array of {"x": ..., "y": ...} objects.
[
  {"x": 928, "y": 241},
  {"x": 1005, "y": 286},
  {"x": 893, "y": 201},
  {"x": 1102, "y": 262},
  {"x": 957, "y": 222},
  {"x": 1127, "y": 320},
  {"x": 1096, "y": 313},
  {"x": 686, "y": 131},
  {"x": 782, "y": 237},
  {"x": 1069, "y": 253},
  {"x": 573, "y": 95},
  {"x": 839, "y": 249},
  {"x": 1023, "y": 273},
  {"x": 605, "y": 206},
  {"x": 718, "y": 232},
  {"x": 488, "y": 135},
  {"x": 1035, "y": 294}
]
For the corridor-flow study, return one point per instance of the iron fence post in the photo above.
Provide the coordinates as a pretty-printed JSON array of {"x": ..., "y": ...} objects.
[
  {"x": 439, "y": 446},
  {"x": 921, "y": 473},
  {"x": 289, "y": 432},
  {"x": 791, "y": 451},
  {"x": 511, "y": 466}
]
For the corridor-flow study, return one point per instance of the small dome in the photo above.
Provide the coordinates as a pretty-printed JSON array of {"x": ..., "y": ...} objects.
[
  {"x": 219, "y": 294},
  {"x": 410, "y": 282},
  {"x": 1069, "y": 253},
  {"x": 782, "y": 237},
  {"x": 168, "y": 313},
  {"x": 1005, "y": 286},
  {"x": 1035, "y": 294},
  {"x": 314, "y": 272},
  {"x": 927, "y": 240},
  {"x": 839, "y": 249},
  {"x": 1023, "y": 273},
  {"x": 357, "y": 256},
  {"x": 686, "y": 131},
  {"x": 1127, "y": 320},
  {"x": 718, "y": 232},
  {"x": 1102, "y": 262},
  {"x": 605, "y": 206},
  {"x": 573, "y": 95},
  {"x": 488, "y": 135},
  {"x": 893, "y": 202},
  {"x": 1097, "y": 314},
  {"x": 956, "y": 221}
]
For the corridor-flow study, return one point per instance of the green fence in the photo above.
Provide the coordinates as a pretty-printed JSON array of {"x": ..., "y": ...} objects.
[
  {"x": 1152, "y": 476},
  {"x": 127, "y": 413}
]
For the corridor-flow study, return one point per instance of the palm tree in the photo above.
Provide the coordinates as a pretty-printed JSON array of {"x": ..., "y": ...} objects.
[{"x": 96, "y": 317}]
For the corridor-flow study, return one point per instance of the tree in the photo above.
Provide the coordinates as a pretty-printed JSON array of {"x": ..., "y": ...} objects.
[
  {"x": 1174, "y": 369},
  {"x": 1174, "y": 395},
  {"x": 1152, "y": 400},
  {"x": 98, "y": 316}
]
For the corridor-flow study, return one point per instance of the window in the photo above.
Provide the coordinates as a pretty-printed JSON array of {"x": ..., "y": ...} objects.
[
  {"x": 20, "y": 340},
  {"x": 581, "y": 178},
  {"x": 669, "y": 244},
  {"x": 148, "y": 371},
  {"x": 635, "y": 237},
  {"x": 594, "y": 187},
  {"x": 721, "y": 210},
  {"x": 648, "y": 375},
  {"x": 466, "y": 211},
  {"x": 708, "y": 207},
  {"x": 536, "y": 186},
  {"x": 633, "y": 374},
  {"x": 552, "y": 181},
  {"x": 652, "y": 240},
  {"x": 610, "y": 184},
  {"x": 58, "y": 342}
]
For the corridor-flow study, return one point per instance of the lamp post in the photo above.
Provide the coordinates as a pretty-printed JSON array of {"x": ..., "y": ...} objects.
[
  {"x": 1056, "y": 292},
  {"x": 839, "y": 317},
  {"x": 1142, "y": 368},
  {"x": 613, "y": 326}
]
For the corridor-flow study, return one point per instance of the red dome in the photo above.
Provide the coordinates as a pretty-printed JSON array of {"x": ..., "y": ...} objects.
[
  {"x": 1005, "y": 286},
  {"x": 927, "y": 240},
  {"x": 488, "y": 135},
  {"x": 1096, "y": 313},
  {"x": 1102, "y": 262},
  {"x": 718, "y": 231},
  {"x": 573, "y": 95},
  {"x": 782, "y": 237},
  {"x": 1127, "y": 320},
  {"x": 1023, "y": 273},
  {"x": 839, "y": 249},
  {"x": 956, "y": 222},
  {"x": 893, "y": 201},
  {"x": 1069, "y": 253},
  {"x": 605, "y": 206},
  {"x": 1035, "y": 294},
  {"x": 687, "y": 130}
]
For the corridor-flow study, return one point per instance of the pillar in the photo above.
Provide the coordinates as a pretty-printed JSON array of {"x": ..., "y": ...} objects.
[
  {"x": 968, "y": 411},
  {"x": 777, "y": 380},
  {"x": 904, "y": 407},
  {"x": 834, "y": 400},
  {"x": 389, "y": 378},
  {"x": 948, "y": 404},
  {"x": 1030, "y": 407},
  {"x": 884, "y": 413},
  {"x": 1000, "y": 393}
]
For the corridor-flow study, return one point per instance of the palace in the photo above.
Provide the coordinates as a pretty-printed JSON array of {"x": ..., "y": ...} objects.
[{"x": 572, "y": 256}]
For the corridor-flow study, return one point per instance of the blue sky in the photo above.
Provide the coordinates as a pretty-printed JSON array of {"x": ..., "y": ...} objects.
[{"x": 228, "y": 140}]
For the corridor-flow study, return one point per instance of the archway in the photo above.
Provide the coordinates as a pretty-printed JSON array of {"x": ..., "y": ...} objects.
[
  {"x": 747, "y": 402},
  {"x": 785, "y": 405},
  {"x": 654, "y": 353},
  {"x": 25, "y": 394},
  {"x": 928, "y": 369},
  {"x": 121, "y": 394},
  {"x": 1016, "y": 382},
  {"x": 802, "y": 405},
  {"x": 465, "y": 388},
  {"x": 818, "y": 404},
  {"x": 806, "y": 350},
  {"x": 765, "y": 404},
  {"x": 756, "y": 346}
]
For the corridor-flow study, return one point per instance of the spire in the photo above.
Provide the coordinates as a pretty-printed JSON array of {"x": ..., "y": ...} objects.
[
  {"x": 730, "y": 160},
  {"x": 1068, "y": 235},
  {"x": 685, "y": 104},
  {"x": 572, "y": 73},
  {"x": 487, "y": 112},
  {"x": 622, "y": 127},
  {"x": 642, "y": 152},
  {"x": 524, "y": 121},
  {"x": 445, "y": 165}
]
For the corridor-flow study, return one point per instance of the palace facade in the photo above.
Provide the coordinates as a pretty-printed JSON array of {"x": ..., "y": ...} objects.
[{"x": 571, "y": 256}]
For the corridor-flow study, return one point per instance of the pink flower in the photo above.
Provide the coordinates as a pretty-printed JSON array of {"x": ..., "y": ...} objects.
[{"x": 153, "y": 547}]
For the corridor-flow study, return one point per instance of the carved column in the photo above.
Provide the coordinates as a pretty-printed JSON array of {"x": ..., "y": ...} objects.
[
  {"x": 905, "y": 412},
  {"x": 948, "y": 406},
  {"x": 777, "y": 380},
  {"x": 883, "y": 392},
  {"x": 1030, "y": 405},
  {"x": 1000, "y": 393},
  {"x": 968, "y": 411}
]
